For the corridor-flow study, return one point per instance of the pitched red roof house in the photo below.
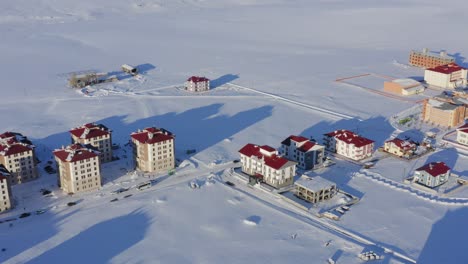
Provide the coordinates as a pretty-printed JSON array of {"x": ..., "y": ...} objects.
[
  {"x": 152, "y": 135},
  {"x": 75, "y": 152},
  {"x": 267, "y": 153},
  {"x": 90, "y": 130},
  {"x": 350, "y": 138},
  {"x": 197, "y": 79},
  {"x": 435, "y": 168},
  {"x": 402, "y": 144}
]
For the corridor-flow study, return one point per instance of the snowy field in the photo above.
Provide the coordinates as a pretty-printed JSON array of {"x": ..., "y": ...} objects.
[{"x": 290, "y": 53}]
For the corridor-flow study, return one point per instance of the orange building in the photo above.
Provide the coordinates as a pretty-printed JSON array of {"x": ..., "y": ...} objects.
[
  {"x": 428, "y": 59},
  {"x": 445, "y": 111}
]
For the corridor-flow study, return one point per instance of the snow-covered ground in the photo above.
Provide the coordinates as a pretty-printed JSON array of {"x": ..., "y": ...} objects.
[{"x": 292, "y": 51}]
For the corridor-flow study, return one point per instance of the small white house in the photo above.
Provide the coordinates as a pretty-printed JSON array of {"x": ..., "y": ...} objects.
[
  {"x": 462, "y": 134},
  {"x": 197, "y": 84},
  {"x": 448, "y": 76},
  {"x": 432, "y": 174},
  {"x": 349, "y": 144}
]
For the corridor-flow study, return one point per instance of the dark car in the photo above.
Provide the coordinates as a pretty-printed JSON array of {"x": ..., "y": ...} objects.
[
  {"x": 23, "y": 215},
  {"x": 128, "y": 195},
  {"x": 114, "y": 200},
  {"x": 230, "y": 183},
  {"x": 236, "y": 161},
  {"x": 71, "y": 203}
]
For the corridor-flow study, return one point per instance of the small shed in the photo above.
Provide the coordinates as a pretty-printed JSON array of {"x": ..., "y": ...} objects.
[{"x": 130, "y": 69}]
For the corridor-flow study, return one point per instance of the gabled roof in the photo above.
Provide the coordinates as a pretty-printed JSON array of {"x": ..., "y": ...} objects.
[
  {"x": 435, "y": 168},
  {"x": 447, "y": 68},
  {"x": 197, "y": 79},
  {"x": 463, "y": 128},
  {"x": 90, "y": 130},
  {"x": 307, "y": 146},
  {"x": 402, "y": 144},
  {"x": 274, "y": 161},
  {"x": 75, "y": 152},
  {"x": 15, "y": 148},
  {"x": 152, "y": 135},
  {"x": 298, "y": 139},
  {"x": 350, "y": 138}
]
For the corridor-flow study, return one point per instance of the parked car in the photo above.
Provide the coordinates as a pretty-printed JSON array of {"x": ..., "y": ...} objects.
[
  {"x": 128, "y": 195},
  {"x": 230, "y": 183},
  {"x": 71, "y": 203},
  {"x": 114, "y": 200},
  {"x": 121, "y": 190},
  {"x": 236, "y": 161},
  {"x": 38, "y": 212},
  {"x": 144, "y": 185},
  {"x": 23, "y": 215}
]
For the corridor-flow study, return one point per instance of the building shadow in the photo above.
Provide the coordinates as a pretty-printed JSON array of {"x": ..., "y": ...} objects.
[
  {"x": 412, "y": 134},
  {"x": 459, "y": 59},
  {"x": 223, "y": 80},
  {"x": 145, "y": 67},
  {"x": 99, "y": 243},
  {"x": 446, "y": 242},
  {"x": 449, "y": 156}
]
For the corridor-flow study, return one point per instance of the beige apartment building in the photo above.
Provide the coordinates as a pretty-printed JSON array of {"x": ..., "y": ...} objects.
[
  {"x": 197, "y": 84},
  {"x": 153, "y": 150},
  {"x": 444, "y": 110},
  {"x": 428, "y": 59},
  {"x": 17, "y": 155},
  {"x": 79, "y": 168},
  {"x": 97, "y": 135},
  {"x": 5, "y": 190},
  {"x": 314, "y": 189},
  {"x": 400, "y": 148}
]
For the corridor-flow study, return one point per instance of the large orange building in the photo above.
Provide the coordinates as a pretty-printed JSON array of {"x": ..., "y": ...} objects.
[
  {"x": 444, "y": 110},
  {"x": 428, "y": 59}
]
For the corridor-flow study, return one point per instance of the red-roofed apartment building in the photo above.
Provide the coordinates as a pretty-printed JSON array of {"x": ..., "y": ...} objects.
[
  {"x": 462, "y": 134},
  {"x": 97, "y": 135},
  {"x": 153, "y": 150},
  {"x": 432, "y": 174},
  {"x": 400, "y": 148},
  {"x": 17, "y": 155},
  {"x": 79, "y": 168},
  {"x": 446, "y": 76},
  {"x": 264, "y": 163},
  {"x": 5, "y": 190},
  {"x": 197, "y": 84},
  {"x": 306, "y": 153},
  {"x": 349, "y": 144}
]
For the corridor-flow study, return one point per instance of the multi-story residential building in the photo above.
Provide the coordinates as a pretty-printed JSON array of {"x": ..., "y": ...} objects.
[
  {"x": 263, "y": 163},
  {"x": 17, "y": 155},
  {"x": 432, "y": 174},
  {"x": 5, "y": 190},
  {"x": 153, "y": 150},
  {"x": 349, "y": 144},
  {"x": 400, "y": 148},
  {"x": 445, "y": 110},
  {"x": 428, "y": 59},
  {"x": 462, "y": 134},
  {"x": 315, "y": 189},
  {"x": 449, "y": 76},
  {"x": 97, "y": 135},
  {"x": 78, "y": 168},
  {"x": 197, "y": 84},
  {"x": 306, "y": 153}
]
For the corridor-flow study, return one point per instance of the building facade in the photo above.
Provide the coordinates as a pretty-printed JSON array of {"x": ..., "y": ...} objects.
[
  {"x": 263, "y": 163},
  {"x": 462, "y": 134},
  {"x": 400, "y": 148},
  {"x": 97, "y": 135},
  {"x": 449, "y": 76},
  {"x": 432, "y": 174},
  {"x": 197, "y": 84},
  {"x": 153, "y": 150},
  {"x": 5, "y": 190},
  {"x": 403, "y": 87},
  {"x": 444, "y": 110},
  {"x": 17, "y": 155},
  {"x": 307, "y": 154},
  {"x": 315, "y": 189},
  {"x": 78, "y": 168},
  {"x": 428, "y": 59},
  {"x": 349, "y": 144}
]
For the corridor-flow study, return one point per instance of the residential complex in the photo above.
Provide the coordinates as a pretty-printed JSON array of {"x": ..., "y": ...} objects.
[
  {"x": 314, "y": 189},
  {"x": 17, "y": 155},
  {"x": 449, "y": 76},
  {"x": 306, "y": 153},
  {"x": 462, "y": 134},
  {"x": 400, "y": 148},
  {"x": 263, "y": 163},
  {"x": 349, "y": 144},
  {"x": 197, "y": 84},
  {"x": 428, "y": 59},
  {"x": 153, "y": 150},
  {"x": 432, "y": 174},
  {"x": 78, "y": 168},
  {"x": 445, "y": 110},
  {"x": 5, "y": 190},
  {"x": 403, "y": 86},
  {"x": 97, "y": 135}
]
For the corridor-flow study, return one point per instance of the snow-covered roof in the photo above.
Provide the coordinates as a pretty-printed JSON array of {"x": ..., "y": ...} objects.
[
  {"x": 447, "y": 69},
  {"x": 268, "y": 154},
  {"x": 407, "y": 82},
  {"x": 314, "y": 184},
  {"x": 350, "y": 138}
]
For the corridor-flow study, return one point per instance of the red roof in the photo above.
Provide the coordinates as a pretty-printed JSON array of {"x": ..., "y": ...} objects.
[
  {"x": 350, "y": 138},
  {"x": 306, "y": 146},
  {"x": 197, "y": 79},
  {"x": 402, "y": 144},
  {"x": 298, "y": 139},
  {"x": 463, "y": 128},
  {"x": 75, "y": 152},
  {"x": 94, "y": 130},
  {"x": 447, "y": 69},
  {"x": 8, "y": 135},
  {"x": 14, "y": 148},
  {"x": 152, "y": 135},
  {"x": 435, "y": 168},
  {"x": 274, "y": 161}
]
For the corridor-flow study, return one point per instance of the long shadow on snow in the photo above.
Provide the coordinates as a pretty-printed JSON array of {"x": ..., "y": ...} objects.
[
  {"x": 223, "y": 80},
  {"x": 101, "y": 242}
]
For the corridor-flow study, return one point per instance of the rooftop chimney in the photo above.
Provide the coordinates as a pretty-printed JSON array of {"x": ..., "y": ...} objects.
[
  {"x": 425, "y": 50},
  {"x": 443, "y": 53}
]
